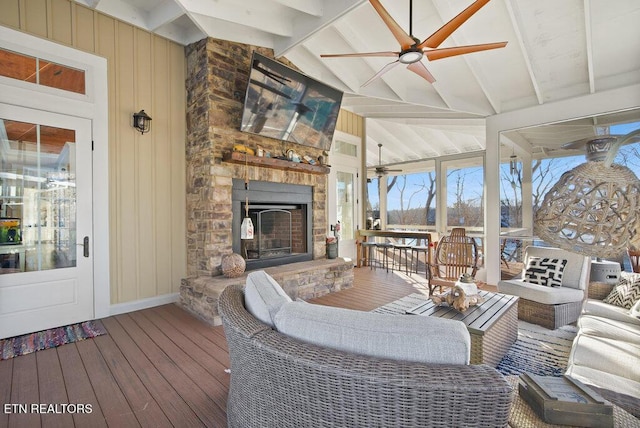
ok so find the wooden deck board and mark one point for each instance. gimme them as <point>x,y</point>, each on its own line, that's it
<point>52,389</point>
<point>144,406</point>
<point>159,367</point>
<point>6,369</point>
<point>24,390</point>
<point>79,388</point>
<point>112,402</point>
<point>170,401</point>
<point>174,372</point>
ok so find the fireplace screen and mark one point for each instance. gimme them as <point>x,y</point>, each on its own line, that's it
<point>278,231</point>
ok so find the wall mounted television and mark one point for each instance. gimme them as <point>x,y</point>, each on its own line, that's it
<point>285,104</point>
<point>10,231</point>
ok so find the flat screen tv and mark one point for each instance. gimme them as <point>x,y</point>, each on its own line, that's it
<point>285,104</point>
<point>10,231</point>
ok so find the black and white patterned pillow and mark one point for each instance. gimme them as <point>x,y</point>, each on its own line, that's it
<point>626,292</point>
<point>545,271</point>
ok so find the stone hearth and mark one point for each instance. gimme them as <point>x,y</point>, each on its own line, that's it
<point>304,280</point>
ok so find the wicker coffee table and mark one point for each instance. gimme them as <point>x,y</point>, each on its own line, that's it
<point>493,325</point>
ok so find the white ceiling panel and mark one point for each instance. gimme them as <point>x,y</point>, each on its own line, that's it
<point>556,49</point>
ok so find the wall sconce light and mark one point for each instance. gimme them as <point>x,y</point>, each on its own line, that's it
<point>142,121</point>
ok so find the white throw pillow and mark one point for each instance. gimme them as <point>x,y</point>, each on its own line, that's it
<point>263,296</point>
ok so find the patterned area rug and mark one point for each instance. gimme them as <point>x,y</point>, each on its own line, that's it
<point>537,350</point>
<point>28,343</point>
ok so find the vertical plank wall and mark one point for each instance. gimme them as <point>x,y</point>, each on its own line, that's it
<point>350,123</point>
<point>146,172</point>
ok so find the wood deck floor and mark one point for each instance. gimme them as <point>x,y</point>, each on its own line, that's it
<point>158,367</point>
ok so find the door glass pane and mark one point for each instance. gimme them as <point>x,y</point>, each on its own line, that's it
<point>373,204</point>
<point>345,184</point>
<point>38,201</point>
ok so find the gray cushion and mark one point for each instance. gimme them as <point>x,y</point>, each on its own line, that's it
<point>605,362</point>
<point>609,328</point>
<point>540,293</point>
<point>600,309</point>
<point>263,296</point>
<point>397,337</point>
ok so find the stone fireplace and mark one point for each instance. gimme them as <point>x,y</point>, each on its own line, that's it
<point>217,75</point>
<point>282,217</point>
<point>286,201</point>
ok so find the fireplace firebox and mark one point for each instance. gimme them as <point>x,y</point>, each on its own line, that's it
<point>282,217</point>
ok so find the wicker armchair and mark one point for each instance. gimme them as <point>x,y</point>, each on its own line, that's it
<point>455,255</point>
<point>277,381</point>
<point>551,307</point>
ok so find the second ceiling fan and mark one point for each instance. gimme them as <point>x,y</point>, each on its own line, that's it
<point>412,49</point>
<point>380,169</point>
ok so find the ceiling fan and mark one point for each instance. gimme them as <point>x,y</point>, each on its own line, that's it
<point>382,170</point>
<point>412,49</point>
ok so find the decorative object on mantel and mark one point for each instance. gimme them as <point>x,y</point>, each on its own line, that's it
<point>275,163</point>
<point>233,265</point>
<point>593,209</point>
<point>246,228</point>
<point>463,294</point>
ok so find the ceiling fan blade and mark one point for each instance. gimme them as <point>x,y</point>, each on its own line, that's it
<point>405,40</point>
<point>366,54</point>
<point>461,50</point>
<point>381,72</point>
<point>434,40</point>
<point>421,70</point>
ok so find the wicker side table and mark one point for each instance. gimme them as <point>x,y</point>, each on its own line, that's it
<point>523,416</point>
<point>599,290</point>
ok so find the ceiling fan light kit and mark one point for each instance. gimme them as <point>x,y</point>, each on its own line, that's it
<point>412,50</point>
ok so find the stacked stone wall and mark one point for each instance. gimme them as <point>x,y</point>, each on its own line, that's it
<point>217,77</point>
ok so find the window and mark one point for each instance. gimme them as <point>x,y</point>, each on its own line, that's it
<point>41,72</point>
<point>465,193</point>
<point>411,200</point>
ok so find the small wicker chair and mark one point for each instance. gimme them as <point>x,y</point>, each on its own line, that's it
<point>277,381</point>
<point>551,307</point>
<point>455,254</point>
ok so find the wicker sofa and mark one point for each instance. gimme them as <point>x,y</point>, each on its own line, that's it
<point>277,381</point>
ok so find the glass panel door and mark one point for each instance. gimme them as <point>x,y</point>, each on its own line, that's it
<point>38,212</point>
<point>345,182</point>
<point>46,224</point>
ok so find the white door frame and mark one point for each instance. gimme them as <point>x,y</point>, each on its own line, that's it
<point>350,164</point>
<point>93,106</point>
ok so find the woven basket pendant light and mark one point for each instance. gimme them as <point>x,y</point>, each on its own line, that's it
<point>593,209</point>
<point>246,228</point>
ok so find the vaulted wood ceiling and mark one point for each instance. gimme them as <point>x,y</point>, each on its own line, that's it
<point>556,50</point>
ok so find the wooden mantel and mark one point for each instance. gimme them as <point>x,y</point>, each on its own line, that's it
<point>238,157</point>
